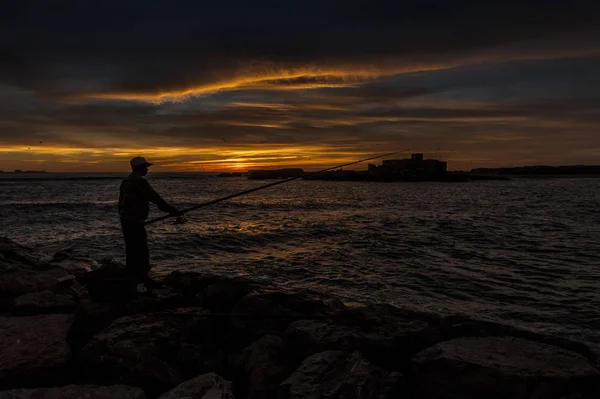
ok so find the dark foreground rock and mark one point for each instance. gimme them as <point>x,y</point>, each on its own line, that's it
<point>206,386</point>
<point>92,317</point>
<point>44,302</point>
<point>34,351</point>
<point>155,351</point>
<point>458,326</point>
<point>16,282</point>
<point>503,367</point>
<point>384,334</point>
<point>337,374</point>
<point>264,365</point>
<point>131,351</point>
<point>256,335</point>
<point>76,392</point>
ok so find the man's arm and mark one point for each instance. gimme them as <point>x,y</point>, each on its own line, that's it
<point>155,198</point>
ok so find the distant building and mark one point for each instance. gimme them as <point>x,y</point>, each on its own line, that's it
<point>415,167</point>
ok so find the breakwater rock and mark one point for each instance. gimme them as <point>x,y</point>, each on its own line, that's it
<point>207,336</point>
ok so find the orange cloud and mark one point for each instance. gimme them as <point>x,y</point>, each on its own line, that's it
<point>277,77</point>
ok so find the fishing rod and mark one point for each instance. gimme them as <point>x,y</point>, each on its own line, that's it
<point>215,201</point>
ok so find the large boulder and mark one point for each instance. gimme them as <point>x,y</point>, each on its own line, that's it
<point>264,364</point>
<point>44,302</point>
<point>503,367</point>
<point>92,317</point>
<point>459,326</point>
<point>147,350</point>
<point>206,386</point>
<point>384,334</point>
<point>76,392</point>
<point>131,351</point>
<point>337,375</point>
<point>34,350</point>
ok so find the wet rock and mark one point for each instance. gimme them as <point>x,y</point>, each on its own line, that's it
<point>134,350</point>
<point>44,302</point>
<point>270,312</point>
<point>33,350</point>
<point>206,386</point>
<point>503,367</point>
<point>17,282</point>
<point>216,293</point>
<point>383,333</point>
<point>76,392</point>
<point>264,365</point>
<point>337,374</point>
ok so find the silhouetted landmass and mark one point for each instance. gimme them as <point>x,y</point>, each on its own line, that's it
<point>230,174</point>
<point>542,170</point>
<point>275,173</point>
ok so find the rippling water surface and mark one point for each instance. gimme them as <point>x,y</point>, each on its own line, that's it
<point>525,251</point>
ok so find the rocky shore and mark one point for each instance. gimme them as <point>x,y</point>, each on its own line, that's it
<point>206,336</point>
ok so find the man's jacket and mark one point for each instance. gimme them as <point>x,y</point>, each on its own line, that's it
<point>134,199</point>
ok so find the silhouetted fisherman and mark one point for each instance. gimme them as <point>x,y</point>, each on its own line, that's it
<point>134,204</point>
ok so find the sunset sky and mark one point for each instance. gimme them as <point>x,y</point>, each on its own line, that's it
<point>235,85</point>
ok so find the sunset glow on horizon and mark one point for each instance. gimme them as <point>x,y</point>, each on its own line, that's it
<point>455,82</point>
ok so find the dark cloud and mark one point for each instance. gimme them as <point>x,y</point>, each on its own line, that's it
<point>151,46</point>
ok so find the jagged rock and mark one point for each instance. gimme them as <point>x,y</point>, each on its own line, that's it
<point>92,317</point>
<point>264,365</point>
<point>33,350</point>
<point>134,350</point>
<point>383,333</point>
<point>206,386</point>
<point>152,351</point>
<point>16,282</point>
<point>17,255</point>
<point>216,293</point>
<point>44,302</point>
<point>76,392</point>
<point>271,312</point>
<point>503,367</point>
<point>337,374</point>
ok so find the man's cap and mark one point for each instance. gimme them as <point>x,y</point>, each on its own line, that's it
<point>137,161</point>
